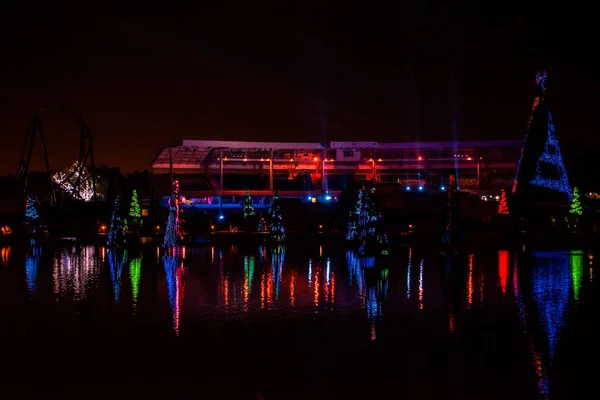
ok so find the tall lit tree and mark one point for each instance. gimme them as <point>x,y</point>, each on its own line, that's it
<point>503,206</point>
<point>248,207</point>
<point>575,203</point>
<point>173,232</point>
<point>364,224</point>
<point>134,209</point>
<point>540,171</point>
<point>116,231</point>
<point>277,230</point>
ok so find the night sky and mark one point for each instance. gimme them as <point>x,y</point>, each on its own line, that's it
<point>145,76</point>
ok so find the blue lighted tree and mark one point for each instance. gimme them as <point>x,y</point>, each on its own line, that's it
<point>116,231</point>
<point>541,165</point>
<point>31,212</point>
<point>31,215</point>
<point>173,232</point>
<point>364,224</point>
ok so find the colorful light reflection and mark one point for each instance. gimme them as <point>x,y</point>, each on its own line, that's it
<point>503,269</point>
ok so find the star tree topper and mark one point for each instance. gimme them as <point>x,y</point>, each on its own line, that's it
<point>540,80</point>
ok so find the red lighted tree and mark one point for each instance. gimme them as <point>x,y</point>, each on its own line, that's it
<point>503,207</point>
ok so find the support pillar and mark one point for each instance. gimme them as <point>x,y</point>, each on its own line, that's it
<point>221,171</point>
<point>374,171</point>
<point>478,174</point>
<point>323,173</point>
<point>271,187</point>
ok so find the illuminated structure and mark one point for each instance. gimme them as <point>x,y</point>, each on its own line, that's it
<point>210,170</point>
<point>541,171</point>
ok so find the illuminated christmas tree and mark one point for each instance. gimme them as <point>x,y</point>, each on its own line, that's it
<point>503,206</point>
<point>276,230</point>
<point>248,207</point>
<point>116,231</point>
<point>134,209</point>
<point>541,171</point>
<point>173,231</point>
<point>364,222</point>
<point>31,213</point>
<point>575,203</point>
<point>263,226</point>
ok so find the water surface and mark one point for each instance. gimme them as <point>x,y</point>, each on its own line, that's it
<point>298,321</point>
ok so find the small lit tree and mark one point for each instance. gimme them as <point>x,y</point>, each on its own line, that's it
<point>116,232</point>
<point>575,203</point>
<point>134,209</point>
<point>262,224</point>
<point>31,213</point>
<point>248,207</point>
<point>503,206</point>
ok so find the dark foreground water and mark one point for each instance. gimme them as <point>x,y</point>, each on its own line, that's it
<point>301,321</point>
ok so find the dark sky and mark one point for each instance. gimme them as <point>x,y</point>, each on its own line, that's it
<point>143,77</point>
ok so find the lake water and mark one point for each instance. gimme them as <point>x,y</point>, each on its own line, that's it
<point>301,321</point>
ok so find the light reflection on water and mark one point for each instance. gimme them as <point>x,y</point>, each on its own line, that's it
<point>234,283</point>
<point>556,282</point>
<point>76,271</point>
<point>32,262</point>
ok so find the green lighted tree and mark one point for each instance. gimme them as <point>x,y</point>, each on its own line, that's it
<point>575,203</point>
<point>134,209</point>
<point>248,207</point>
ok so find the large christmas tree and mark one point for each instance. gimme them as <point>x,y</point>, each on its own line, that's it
<point>541,173</point>
<point>134,209</point>
<point>248,207</point>
<point>116,231</point>
<point>276,230</point>
<point>174,233</point>
<point>575,203</point>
